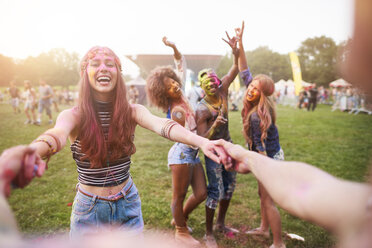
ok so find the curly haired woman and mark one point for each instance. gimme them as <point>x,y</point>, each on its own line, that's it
<point>164,91</point>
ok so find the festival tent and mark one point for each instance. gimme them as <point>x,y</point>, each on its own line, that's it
<point>140,84</point>
<point>306,84</point>
<point>339,83</point>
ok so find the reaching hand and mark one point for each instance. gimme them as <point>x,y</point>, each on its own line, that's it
<point>210,149</point>
<point>19,165</point>
<point>232,42</point>
<point>238,155</point>
<point>239,32</point>
<point>168,43</point>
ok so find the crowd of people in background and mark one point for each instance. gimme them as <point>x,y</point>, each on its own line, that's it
<point>36,100</point>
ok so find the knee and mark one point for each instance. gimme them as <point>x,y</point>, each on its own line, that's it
<point>178,197</point>
<point>201,195</point>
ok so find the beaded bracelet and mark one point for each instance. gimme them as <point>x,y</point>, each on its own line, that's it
<point>51,150</point>
<point>56,139</point>
<point>165,130</point>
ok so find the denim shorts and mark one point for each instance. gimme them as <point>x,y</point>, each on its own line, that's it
<point>90,213</point>
<point>279,155</point>
<point>183,154</point>
<point>221,183</point>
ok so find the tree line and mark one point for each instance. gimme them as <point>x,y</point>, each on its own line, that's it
<point>56,67</point>
<point>318,57</point>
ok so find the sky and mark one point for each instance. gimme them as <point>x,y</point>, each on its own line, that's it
<point>129,27</point>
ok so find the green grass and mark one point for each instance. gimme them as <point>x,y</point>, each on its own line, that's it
<point>336,142</point>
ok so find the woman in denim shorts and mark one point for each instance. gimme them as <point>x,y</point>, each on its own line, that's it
<point>101,131</point>
<point>164,91</point>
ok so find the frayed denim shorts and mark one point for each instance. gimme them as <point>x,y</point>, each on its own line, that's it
<point>91,212</point>
<point>183,154</point>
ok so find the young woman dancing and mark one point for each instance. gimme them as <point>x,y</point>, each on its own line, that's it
<point>164,91</point>
<point>101,131</point>
<point>262,136</point>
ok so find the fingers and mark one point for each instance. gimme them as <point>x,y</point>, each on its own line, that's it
<point>226,41</point>
<point>227,34</point>
<point>221,154</point>
<point>242,27</point>
<point>213,156</point>
<point>28,165</point>
<point>41,167</point>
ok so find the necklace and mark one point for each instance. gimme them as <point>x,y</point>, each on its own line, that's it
<point>217,106</point>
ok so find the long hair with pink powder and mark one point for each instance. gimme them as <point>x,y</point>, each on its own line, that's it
<point>122,124</point>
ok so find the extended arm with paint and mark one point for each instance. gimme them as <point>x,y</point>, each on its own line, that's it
<point>304,190</point>
<point>177,133</point>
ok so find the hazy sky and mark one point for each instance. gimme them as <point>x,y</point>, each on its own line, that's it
<point>29,27</point>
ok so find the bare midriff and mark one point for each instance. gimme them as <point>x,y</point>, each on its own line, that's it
<point>104,191</point>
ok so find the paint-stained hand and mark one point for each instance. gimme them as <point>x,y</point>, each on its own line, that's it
<point>18,166</point>
<point>220,120</point>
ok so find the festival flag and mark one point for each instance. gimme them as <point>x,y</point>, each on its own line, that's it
<point>296,70</point>
<point>235,85</point>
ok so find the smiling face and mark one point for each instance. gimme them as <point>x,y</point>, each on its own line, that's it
<point>209,82</point>
<point>253,92</point>
<point>172,87</point>
<point>102,73</point>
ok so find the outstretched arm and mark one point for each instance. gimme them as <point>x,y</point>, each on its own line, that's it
<point>304,190</point>
<point>176,133</point>
<point>242,61</point>
<point>54,139</point>
<point>230,76</point>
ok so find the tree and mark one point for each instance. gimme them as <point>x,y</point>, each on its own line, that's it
<point>57,67</point>
<point>7,70</point>
<point>318,59</point>
<point>261,61</point>
<point>264,61</point>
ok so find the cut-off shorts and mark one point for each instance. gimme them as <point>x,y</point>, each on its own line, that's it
<point>183,154</point>
<point>90,212</point>
<point>279,155</point>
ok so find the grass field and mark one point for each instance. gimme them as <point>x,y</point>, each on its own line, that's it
<point>336,142</point>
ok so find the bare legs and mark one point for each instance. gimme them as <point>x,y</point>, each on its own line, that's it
<point>32,116</point>
<point>269,216</point>
<point>180,182</point>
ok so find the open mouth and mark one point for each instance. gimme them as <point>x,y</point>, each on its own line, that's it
<point>103,80</point>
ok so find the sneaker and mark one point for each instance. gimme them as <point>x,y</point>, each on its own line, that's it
<point>209,241</point>
<point>27,122</point>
